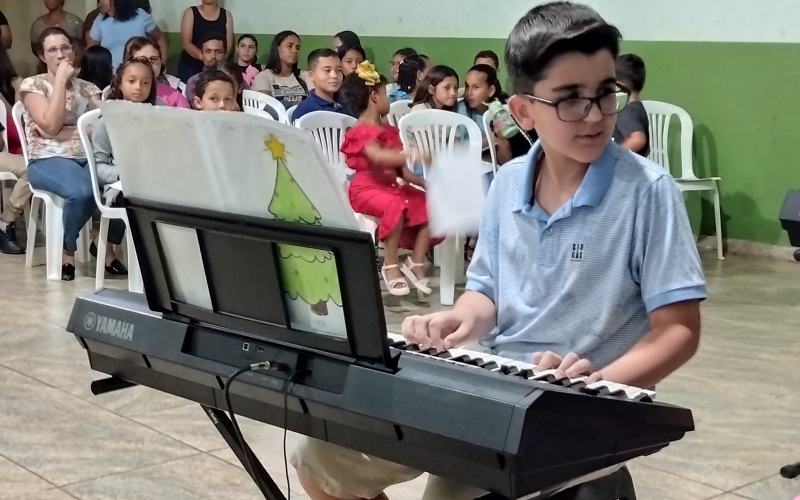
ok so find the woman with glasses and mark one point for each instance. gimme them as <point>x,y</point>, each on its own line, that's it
<point>119,21</point>
<point>53,103</point>
<point>145,47</point>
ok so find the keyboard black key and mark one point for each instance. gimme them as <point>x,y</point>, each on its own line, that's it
<point>509,370</point>
<point>490,365</point>
<point>444,355</point>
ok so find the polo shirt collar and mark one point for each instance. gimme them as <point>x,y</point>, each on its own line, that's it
<point>324,103</point>
<point>593,187</point>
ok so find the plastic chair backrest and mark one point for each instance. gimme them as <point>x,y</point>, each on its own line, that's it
<point>328,130</point>
<point>86,122</point>
<point>435,132</point>
<point>660,115</point>
<point>490,139</point>
<point>182,87</point>
<point>17,113</point>
<point>290,114</point>
<point>174,81</point>
<point>397,110</point>
<point>252,100</point>
<point>261,113</point>
<point>4,123</point>
<point>106,91</point>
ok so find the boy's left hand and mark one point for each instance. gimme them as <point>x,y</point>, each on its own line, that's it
<point>570,366</point>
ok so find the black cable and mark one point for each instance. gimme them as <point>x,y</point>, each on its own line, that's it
<point>226,394</point>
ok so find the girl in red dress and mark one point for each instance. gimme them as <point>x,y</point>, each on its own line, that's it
<point>382,185</point>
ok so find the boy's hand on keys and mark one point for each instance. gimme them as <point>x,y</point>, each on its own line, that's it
<point>442,331</point>
<point>570,366</point>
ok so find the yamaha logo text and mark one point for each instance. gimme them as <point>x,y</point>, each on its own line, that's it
<point>109,326</point>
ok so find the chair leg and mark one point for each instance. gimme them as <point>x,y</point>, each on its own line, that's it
<point>84,240</point>
<point>460,264</point>
<point>718,222</point>
<point>447,273</point>
<point>31,229</point>
<point>135,283</point>
<point>54,240</point>
<point>102,242</point>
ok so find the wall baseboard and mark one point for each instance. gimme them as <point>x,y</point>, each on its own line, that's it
<point>749,248</point>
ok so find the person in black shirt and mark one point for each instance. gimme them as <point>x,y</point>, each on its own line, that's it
<point>5,31</point>
<point>633,127</point>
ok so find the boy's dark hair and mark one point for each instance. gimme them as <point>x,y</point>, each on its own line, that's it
<point>344,49</point>
<point>549,31</point>
<point>434,77</point>
<point>318,54</point>
<point>232,70</point>
<point>631,71</point>
<point>125,10</point>
<point>355,92</point>
<point>408,51</point>
<point>208,37</point>
<point>348,38</point>
<point>97,66</point>
<point>488,54</point>
<point>407,73</point>
<point>209,76</point>
<point>116,92</point>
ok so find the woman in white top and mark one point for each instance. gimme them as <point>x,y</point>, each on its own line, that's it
<point>282,79</point>
<point>53,103</point>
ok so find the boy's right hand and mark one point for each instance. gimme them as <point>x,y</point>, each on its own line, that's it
<point>442,330</point>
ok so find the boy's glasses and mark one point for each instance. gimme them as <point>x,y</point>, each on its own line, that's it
<point>576,109</point>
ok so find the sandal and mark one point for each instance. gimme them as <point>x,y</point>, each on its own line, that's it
<point>398,286</point>
<point>421,284</point>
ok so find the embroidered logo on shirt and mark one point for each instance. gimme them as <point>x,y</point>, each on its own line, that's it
<point>577,251</point>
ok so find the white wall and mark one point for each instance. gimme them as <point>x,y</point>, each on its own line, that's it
<point>657,20</point>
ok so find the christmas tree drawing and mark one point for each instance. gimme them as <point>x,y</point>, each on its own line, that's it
<point>307,273</point>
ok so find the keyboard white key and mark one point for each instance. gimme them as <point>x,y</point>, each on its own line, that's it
<point>630,391</point>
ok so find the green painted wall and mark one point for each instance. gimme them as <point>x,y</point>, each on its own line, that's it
<point>744,99</point>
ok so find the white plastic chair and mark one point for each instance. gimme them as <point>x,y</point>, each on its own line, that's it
<point>290,115</point>
<point>85,124</point>
<point>261,113</point>
<point>490,138</point>
<point>256,101</point>
<point>435,132</point>
<point>174,81</point>
<point>53,216</point>
<point>106,91</point>
<point>328,130</point>
<point>660,115</point>
<point>182,87</point>
<point>7,179</point>
<point>397,110</point>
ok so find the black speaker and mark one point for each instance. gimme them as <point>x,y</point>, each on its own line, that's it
<point>790,217</point>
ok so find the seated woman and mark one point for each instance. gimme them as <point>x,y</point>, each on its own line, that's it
<point>53,102</point>
<point>375,152</point>
<point>282,79</point>
<point>247,58</point>
<point>142,46</point>
<point>135,82</point>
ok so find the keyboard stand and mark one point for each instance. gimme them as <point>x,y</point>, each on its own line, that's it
<point>259,475</point>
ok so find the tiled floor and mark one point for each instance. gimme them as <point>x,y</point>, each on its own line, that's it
<point>58,442</point>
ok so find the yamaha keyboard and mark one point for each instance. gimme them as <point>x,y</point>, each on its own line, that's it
<point>483,420</point>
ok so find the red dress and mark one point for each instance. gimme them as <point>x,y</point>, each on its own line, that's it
<point>374,190</point>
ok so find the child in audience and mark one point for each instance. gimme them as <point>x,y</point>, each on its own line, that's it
<point>325,72</point>
<point>135,81</point>
<point>438,90</point>
<point>413,71</point>
<point>487,57</point>
<point>632,130</point>
<point>215,91</point>
<point>232,70</point>
<point>96,66</point>
<point>482,87</point>
<point>214,47</point>
<point>246,57</point>
<point>397,60</point>
<point>346,38</point>
<point>375,152</point>
<point>282,78</point>
<point>146,47</point>
<point>351,56</point>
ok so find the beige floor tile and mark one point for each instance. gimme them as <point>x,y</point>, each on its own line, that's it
<point>656,484</point>
<point>774,488</point>
<point>47,495</point>
<point>731,496</point>
<point>720,459</point>
<point>64,439</point>
<point>16,481</point>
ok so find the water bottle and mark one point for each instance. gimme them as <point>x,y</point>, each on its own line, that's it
<point>500,113</point>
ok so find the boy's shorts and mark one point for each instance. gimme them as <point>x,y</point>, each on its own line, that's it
<point>347,474</point>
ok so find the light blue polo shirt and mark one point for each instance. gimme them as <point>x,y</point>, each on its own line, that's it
<point>584,279</point>
<point>113,34</point>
